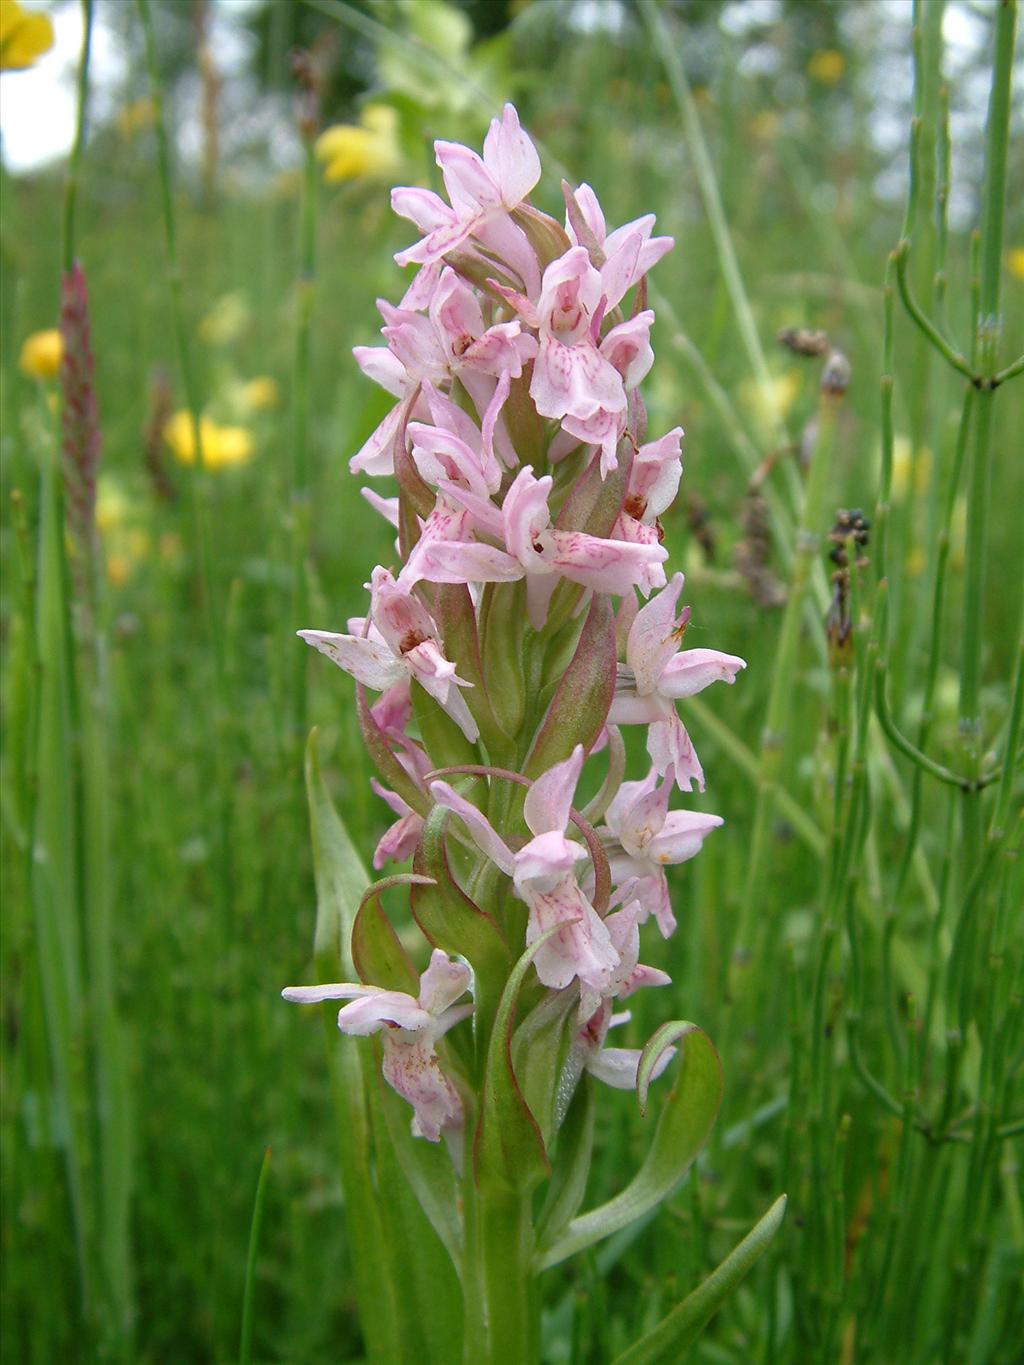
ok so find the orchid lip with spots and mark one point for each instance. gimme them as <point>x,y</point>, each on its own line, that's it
<point>525,492</point>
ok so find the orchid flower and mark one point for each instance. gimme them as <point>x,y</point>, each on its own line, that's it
<point>621,244</point>
<point>656,673</point>
<point>643,836</point>
<point>483,192</point>
<point>543,873</point>
<point>536,550</point>
<point>411,1028</point>
<point>402,640</point>
<point>518,444</point>
<point>451,341</point>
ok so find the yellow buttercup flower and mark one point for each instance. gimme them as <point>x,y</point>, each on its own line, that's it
<point>222,445</point>
<point>41,354</point>
<point>367,151</point>
<point>1015,262</point>
<point>24,36</point>
<point>260,394</point>
<point>826,66</point>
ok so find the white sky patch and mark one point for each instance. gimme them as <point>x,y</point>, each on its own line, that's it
<point>37,107</point>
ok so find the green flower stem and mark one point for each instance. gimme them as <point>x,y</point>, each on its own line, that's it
<point>988,337</point>
<point>74,171</point>
<point>188,375</point>
<point>746,760</point>
<point>506,1253</point>
<point>301,500</point>
<point>780,699</point>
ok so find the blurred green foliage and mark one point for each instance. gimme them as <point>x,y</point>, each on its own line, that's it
<point>207,929</point>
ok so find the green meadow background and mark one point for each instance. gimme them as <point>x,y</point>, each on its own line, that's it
<point>146,1073</point>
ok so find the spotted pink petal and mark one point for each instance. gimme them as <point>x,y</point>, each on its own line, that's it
<point>376,1009</point>
<point>651,642</point>
<point>480,828</point>
<point>368,662</point>
<point>549,800</point>
<point>511,158</point>
<point>609,566</point>
<point>692,670</point>
<point>443,982</point>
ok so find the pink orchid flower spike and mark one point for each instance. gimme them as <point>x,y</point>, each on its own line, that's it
<point>411,1028</point>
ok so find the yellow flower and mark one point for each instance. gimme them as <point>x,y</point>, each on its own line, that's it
<point>41,354</point>
<point>135,118</point>
<point>774,400</point>
<point>112,506</point>
<point>222,446</point>
<point>368,151</point>
<point>260,394</point>
<point>764,126</point>
<point>119,570</point>
<point>226,320</point>
<point>1015,262</point>
<point>24,37</point>
<point>826,66</point>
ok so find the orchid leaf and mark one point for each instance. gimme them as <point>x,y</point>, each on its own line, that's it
<point>456,616</point>
<point>377,951</point>
<point>569,1179</point>
<point>579,708</point>
<point>509,1150</point>
<point>678,1331</point>
<point>446,916</point>
<point>385,762</point>
<point>538,1053</point>
<point>502,627</point>
<point>688,1115</point>
<point>442,738</point>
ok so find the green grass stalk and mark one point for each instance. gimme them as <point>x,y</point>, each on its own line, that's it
<point>301,499</point>
<point>780,697</point>
<point>248,1298</point>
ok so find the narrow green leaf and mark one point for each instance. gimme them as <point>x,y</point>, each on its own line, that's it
<point>448,918</point>
<point>580,705</point>
<point>245,1348</point>
<point>569,1178</point>
<point>509,1150</point>
<point>339,873</point>
<point>377,951</point>
<point>687,1117</point>
<point>678,1331</point>
<point>503,620</point>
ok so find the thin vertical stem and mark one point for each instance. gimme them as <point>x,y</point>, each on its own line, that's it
<point>301,496</point>
<point>245,1345</point>
<point>75,163</point>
